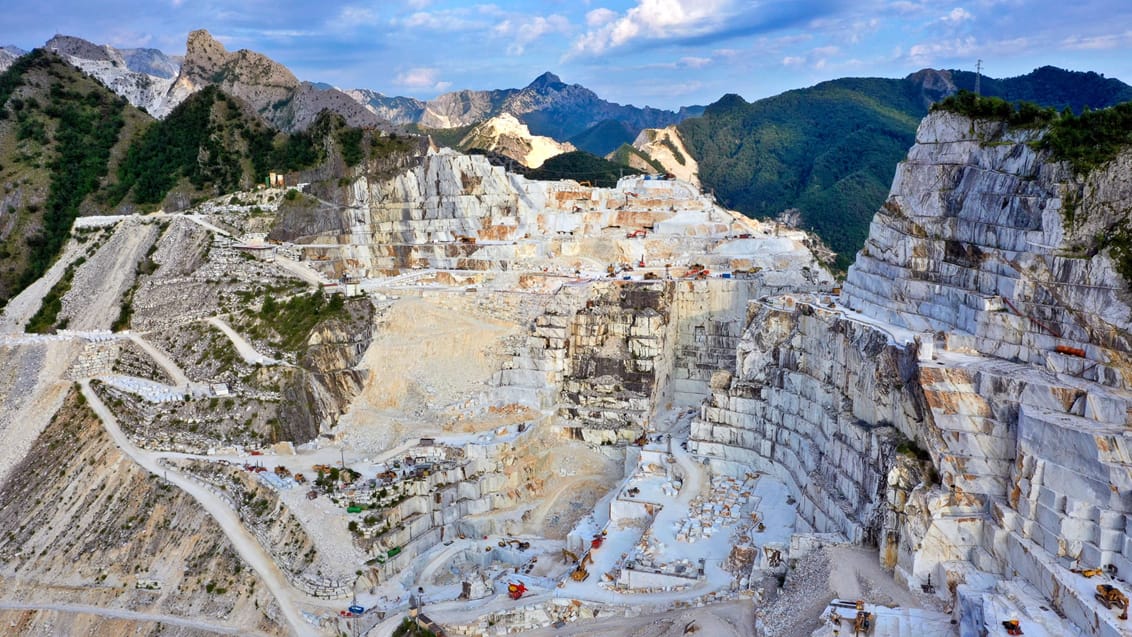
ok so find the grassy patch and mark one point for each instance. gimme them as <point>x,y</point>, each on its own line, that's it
<point>44,320</point>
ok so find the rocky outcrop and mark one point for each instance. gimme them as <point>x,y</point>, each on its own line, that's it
<point>269,87</point>
<point>327,378</point>
<point>142,76</point>
<point>964,406</point>
<point>8,55</point>
<point>393,109</point>
<point>666,147</point>
<point>507,136</point>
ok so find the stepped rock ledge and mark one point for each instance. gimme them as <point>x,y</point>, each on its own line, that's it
<point>965,404</point>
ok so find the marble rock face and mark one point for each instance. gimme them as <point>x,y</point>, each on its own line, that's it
<point>965,406</point>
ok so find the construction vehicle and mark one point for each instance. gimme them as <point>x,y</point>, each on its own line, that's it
<point>580,574</point>
<point>637,234</point>
<point>519,544</point>
<point>1012,626</point>
<point>300,478</point>
<point>569,556</point>
<point>1110,596</point>
<point>773,557</point>
<point>863,622</point>
<point>466,239</point>
<point>1087,572</point>
<point>515,590</point>
<point>641,263</point>
<point>597,541</point>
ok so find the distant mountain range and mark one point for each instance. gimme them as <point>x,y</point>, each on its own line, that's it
<point>827,152</point>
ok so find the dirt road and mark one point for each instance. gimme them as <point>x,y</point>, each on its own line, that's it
<point>246,545</point>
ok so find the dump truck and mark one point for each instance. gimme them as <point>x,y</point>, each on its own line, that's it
<point>515,590</point>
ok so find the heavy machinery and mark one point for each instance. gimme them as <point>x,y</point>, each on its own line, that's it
<point>773,557</point>
<point>580,574</point>
<point>637,234</point>
<point>568,556</point>
<point>1110,596</point>
<point>1012,626</point>
<point>515,590</point>
<point>1087,572</point>
<point>863,622</point>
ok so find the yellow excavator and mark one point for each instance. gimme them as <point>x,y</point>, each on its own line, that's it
<point>863,622</point>
<point>580,574</point>
<point>1111,596</point>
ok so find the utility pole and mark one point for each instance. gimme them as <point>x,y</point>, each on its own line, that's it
<point>978,76</point>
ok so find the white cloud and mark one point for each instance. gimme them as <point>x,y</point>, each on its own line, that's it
<point>420,78</point>
<point>523,30</point>
<point>957,16</point>
<point>928,54</point>
<point>1098,42</point>
<point>600,16</point>
<point>691,62</point>
<point>793,60</point>
<point>353,15</point>
<point>448,20</point>
<point>656,19</point>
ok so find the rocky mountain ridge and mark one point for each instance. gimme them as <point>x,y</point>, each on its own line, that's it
<point>549,106</point>
<point>507,136</point>
<point>142,76</point>
<point>269,87</point>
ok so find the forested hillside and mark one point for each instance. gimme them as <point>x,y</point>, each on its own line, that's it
<point>61,133</point>
<point>830,150</point>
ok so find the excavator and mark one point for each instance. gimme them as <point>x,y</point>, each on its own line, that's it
<point>519,544</point>
<point>863,622</point>
<point>516,589</point>
<point>580,574</point>
<point>1110,596</point>
<point>1012,626</point>
<point>637,234</point>
<point>569,556</point>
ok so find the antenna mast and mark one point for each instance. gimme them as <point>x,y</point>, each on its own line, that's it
<point>978,76</point>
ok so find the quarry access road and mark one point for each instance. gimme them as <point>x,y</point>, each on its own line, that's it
<point>24,305</point>
<point>162,359</point>
<point>117,613</point>
<point>246,350</point>
<point>298,269</point>
<point>246,545</point>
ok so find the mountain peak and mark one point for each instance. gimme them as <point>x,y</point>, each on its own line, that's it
<point>78,47</point>
<point>546,80</point>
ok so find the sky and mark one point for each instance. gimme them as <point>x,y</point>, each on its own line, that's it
<point>661,53</point>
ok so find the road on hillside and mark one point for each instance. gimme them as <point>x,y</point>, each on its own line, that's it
<point>246,350</point>
<point>117,613</point>
<point>246,545</point>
